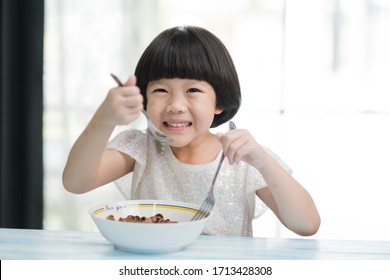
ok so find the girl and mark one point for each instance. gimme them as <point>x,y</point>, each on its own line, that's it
<point>187,82</point>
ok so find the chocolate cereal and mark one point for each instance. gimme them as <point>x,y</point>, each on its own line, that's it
<point>156,219</point>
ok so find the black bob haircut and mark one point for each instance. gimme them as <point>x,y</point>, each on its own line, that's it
<point>190,52</point>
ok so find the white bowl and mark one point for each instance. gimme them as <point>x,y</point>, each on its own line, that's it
<point>144,237</point>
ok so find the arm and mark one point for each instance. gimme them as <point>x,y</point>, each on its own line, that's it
<point>290,202</point>
<point>89,164</point>
<point>285,196</point>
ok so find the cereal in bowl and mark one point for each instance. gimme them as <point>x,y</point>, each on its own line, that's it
<point>156,219</point>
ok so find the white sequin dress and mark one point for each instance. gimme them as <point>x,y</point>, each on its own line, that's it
<point>159,175</point>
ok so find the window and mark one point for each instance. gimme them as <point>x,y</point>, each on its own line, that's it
<point>314,84</point>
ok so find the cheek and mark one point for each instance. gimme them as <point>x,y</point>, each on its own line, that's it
<point>152,101</point>
<point>206,114</point>
<point>154,109</point>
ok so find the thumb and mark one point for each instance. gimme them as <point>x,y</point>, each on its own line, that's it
<point>219,136</point>
<point>131,81</point>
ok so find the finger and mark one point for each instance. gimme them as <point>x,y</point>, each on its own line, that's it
<point>134,102</point>
<point>126,116</point>
<point>226,141</point>
<point>240,152</point>
<point>129,91</point>
<point>233,152</point>
<point>219,136</point>
<point>131,81</point>
<point>237,148</point>
<point>229,147</point>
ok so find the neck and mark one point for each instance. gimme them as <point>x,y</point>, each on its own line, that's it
<point>204,152</point>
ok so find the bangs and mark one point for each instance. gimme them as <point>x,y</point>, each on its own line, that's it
<point>176,54</point>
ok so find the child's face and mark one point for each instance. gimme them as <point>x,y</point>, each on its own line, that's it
<point>183,109</point>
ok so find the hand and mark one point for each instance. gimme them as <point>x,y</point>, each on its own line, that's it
<point>122,104</point>
<point>239,145</point>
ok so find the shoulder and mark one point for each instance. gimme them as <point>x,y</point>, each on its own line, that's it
<point>127,137</point>
<point>132,142</point>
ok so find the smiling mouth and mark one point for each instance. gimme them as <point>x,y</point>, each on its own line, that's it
<point>177,125</point>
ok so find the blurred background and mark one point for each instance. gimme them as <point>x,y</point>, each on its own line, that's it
<point>315,88</point>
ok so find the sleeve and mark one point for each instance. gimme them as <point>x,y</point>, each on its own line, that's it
<point>133,143</point>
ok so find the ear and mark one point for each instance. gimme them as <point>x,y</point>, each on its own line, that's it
<point>218,111</point>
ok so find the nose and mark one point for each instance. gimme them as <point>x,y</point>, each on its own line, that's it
<point>176,104</point>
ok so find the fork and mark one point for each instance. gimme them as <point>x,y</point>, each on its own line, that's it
<point>208,203</point>
<point>151,130</point>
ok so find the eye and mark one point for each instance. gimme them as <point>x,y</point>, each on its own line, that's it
<point>193,90</point>
<point>159,90</point>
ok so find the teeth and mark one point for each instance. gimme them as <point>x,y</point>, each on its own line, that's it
<point>178,124</point>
